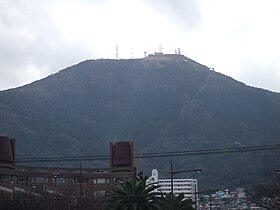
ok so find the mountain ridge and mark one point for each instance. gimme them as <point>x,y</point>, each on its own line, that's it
<point>162,103</point>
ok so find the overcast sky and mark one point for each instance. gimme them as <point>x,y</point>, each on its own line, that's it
<point>239,38</point>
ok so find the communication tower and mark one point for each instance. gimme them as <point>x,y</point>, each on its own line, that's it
<point>117,52</point>
<point>179,51</point>
<point>160,48</point>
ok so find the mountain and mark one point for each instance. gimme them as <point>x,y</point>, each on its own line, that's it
<point>162,103</point>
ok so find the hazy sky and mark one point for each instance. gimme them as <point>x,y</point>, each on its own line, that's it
<point>239,38</point>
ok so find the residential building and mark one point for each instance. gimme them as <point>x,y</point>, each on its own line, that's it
<point>189,187</point>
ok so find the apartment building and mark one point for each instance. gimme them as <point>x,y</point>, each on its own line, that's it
<point>189,187</point>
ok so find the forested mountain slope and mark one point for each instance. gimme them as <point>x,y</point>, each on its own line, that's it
<point>162,103</point>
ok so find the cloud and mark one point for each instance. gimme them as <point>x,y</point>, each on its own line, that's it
<point>31,45</point>
<point>261,74</point>
<point>38,38</point>
<point>186,14</point>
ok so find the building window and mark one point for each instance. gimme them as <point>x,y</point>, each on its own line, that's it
<point>101,181</point>
<point>21,179</point>
<point>80,180</point>
<point>97,193</point>
<point>40,180</point>
<point>5,178</point>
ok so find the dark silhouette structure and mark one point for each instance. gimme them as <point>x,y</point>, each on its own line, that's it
<point>78,183</point>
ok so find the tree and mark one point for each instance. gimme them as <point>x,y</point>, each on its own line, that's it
<point>179,202</point>
<point>267,195</point>
<point>132,194</point>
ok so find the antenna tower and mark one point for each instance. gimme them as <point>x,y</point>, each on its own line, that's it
<point>160,48</point>
<point>179,51</point>
<point>117,52</point>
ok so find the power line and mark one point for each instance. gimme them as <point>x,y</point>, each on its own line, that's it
<point>155,155</point>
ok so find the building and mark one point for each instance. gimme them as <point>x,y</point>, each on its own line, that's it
<point>226,199</point>
<point>17,181</point>
<point>189,187</point>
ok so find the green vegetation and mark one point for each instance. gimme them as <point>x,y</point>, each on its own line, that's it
<point>175,202</point>
<point>133,194</point>
<point>160,104</point>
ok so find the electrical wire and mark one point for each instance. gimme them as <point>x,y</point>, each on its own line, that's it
<point>154,155</point>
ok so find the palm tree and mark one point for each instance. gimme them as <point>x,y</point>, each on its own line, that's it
<point>179,202</point>
<point>132,194</point>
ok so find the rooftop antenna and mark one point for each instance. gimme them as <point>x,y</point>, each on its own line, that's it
<point>117,52</point>
<point>179,51</point>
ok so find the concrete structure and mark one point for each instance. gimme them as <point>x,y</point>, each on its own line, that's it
<point>18,181</point>
<point>188,187</point>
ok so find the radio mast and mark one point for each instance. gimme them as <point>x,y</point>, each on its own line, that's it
<point>117,51</point>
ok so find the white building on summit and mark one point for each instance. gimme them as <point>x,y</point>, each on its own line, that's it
<point>188,187</point>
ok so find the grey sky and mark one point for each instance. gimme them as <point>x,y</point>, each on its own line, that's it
<point>238,38</point>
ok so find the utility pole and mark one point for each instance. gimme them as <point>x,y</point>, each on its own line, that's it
<point>171,173</point>
<point>210,198</point>
<point>81,186</point>
<point>195,198</point>
<point>178,172</point>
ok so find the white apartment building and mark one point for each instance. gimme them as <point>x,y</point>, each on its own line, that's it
<point>188,187</point>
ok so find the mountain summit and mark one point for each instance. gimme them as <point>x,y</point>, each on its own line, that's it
<point>162,103</point>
